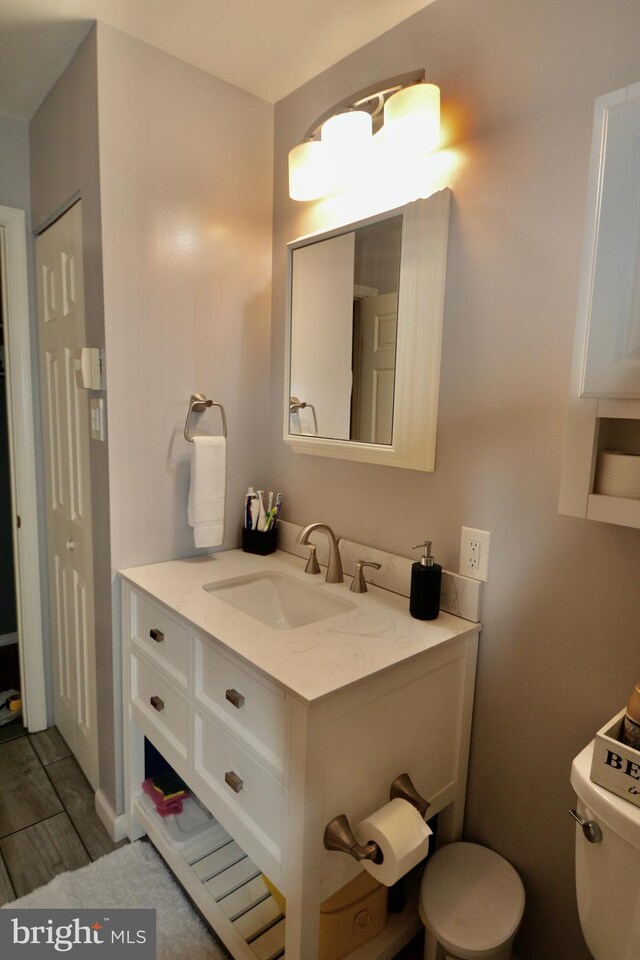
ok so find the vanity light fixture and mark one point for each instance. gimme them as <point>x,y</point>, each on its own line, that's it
<point>377,129</point>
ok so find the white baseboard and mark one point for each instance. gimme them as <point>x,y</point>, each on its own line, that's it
<point>114,824</point>
<point>8,638</point>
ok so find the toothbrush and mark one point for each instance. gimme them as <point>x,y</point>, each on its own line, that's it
<point>262,516</point>
<point>273,514</point>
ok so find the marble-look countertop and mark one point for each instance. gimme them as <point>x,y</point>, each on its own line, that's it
<point>312,661</point>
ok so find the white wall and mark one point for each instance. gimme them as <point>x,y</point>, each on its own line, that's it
<point>186,176</point>
<point>559,649</point>
<point>186,181</point>
<point>15,192</point>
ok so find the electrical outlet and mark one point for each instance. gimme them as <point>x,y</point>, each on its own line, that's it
<point>474,553</point>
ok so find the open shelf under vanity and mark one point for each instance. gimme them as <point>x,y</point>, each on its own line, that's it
<point>229,890</point>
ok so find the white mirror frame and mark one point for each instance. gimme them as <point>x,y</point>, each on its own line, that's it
<point>423,267</point>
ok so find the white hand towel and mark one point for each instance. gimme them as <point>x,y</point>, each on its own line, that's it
<point>205,511</point>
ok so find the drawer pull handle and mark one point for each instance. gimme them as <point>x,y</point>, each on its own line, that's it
<point>235,698</point>
<point>156,635</point>
<point>233,780</point>
<point>156,703</point>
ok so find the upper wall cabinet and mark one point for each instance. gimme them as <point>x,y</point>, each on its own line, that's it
<point>611,277</point>
<point>364,333</point>
<point>602,447</point>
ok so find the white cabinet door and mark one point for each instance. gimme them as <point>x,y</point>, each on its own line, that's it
<point>65,420</point>
<point>610,290</point>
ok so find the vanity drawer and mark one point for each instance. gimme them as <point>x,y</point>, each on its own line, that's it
<point>159,708</point>
<point>161,636</point>
<point>251,794</point>
<point>254,710</point>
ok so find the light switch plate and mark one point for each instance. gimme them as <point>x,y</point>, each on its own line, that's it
<point>96,409</point>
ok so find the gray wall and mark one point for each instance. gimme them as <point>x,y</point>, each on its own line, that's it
<point>14,164</point>
<point>559,649</point>
<point>64,166</point>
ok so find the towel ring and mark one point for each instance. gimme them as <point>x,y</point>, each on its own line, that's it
<point>199,403</point>
<point>296,405</point>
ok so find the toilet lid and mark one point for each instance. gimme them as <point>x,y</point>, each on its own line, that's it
<point>471,899</point>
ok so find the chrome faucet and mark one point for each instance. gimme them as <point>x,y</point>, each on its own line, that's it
<point>334,570</point>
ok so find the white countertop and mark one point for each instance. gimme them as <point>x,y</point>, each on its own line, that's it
<point>310,661</point>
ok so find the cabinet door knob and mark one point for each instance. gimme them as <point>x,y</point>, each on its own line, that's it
<point>156,635</point>
<point>235,698</point>
<point>233,780</point>
<point>156,703</point>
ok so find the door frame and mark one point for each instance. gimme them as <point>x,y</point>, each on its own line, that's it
<point>22,458</point>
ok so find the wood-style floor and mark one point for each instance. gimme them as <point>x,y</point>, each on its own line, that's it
<point>48,823</point>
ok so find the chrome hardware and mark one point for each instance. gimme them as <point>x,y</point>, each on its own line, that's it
<point>312,563</point>
<point>156,635</point>
<point>235,698</point>
<point>403,789</point>
<point>199,403</point>
<point>338,835</point>
<point>156,703</point>
<point>233,780</point>
<point>334,570</point>
<point>295,405</point>
<point>359,584</point>
<point>590,828</point>
<point>70,544</point>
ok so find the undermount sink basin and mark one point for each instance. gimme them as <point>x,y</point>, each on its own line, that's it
<point>278,600</point>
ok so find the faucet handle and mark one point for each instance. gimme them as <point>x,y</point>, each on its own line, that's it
<point>359,584</point>
<point>312,563</point>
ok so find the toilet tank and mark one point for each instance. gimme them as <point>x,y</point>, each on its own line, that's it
<point>608,872</point>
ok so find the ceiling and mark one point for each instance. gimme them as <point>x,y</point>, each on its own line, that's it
<point>268,47</point>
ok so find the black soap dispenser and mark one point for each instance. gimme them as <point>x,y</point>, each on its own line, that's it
<point>426,577</point>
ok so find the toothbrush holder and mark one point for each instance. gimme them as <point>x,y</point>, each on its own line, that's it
<point>261,542</point>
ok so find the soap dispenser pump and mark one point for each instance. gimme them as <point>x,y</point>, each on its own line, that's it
<point>426,577</point>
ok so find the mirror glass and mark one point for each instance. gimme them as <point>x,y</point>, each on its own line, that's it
<point>364,332</point>
<point>344,320</point>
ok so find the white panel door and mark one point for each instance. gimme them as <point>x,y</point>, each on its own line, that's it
<point>321,337</point>
<point>373,393</point>
<point>65,419</point>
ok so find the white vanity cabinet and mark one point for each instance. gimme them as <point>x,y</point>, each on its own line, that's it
<point>273,765</point>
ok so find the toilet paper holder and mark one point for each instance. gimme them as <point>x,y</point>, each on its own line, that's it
<point>338,834</point>
<point>403,788</point>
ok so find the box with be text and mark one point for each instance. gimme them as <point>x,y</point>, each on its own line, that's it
<point>616,766</point>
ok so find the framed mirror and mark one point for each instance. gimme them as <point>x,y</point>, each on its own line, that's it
<point>364,332</point>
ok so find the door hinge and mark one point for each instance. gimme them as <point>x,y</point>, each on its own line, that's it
<point>18,521</point>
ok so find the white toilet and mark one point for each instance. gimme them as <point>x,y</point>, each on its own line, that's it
<point>471,903</point>
<point>607,869</point>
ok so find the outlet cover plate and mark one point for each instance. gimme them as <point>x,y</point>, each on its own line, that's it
<point>474,553</point>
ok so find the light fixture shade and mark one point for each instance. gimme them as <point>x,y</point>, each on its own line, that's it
<point>347,131</point>
<point>412,120</point>
<point>346,138</point>
<point>309,174</point>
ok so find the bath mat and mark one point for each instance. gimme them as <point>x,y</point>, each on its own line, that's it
<point>133,876</point>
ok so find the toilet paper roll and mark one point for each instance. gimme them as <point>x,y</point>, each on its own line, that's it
<point>618,474</point>
<point>402,837</point>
